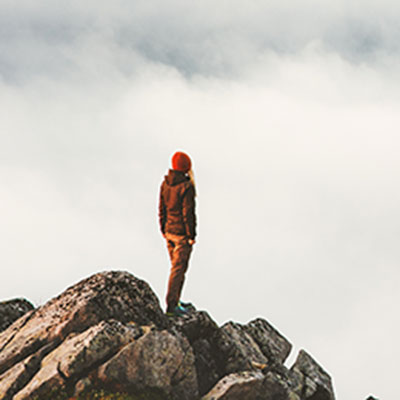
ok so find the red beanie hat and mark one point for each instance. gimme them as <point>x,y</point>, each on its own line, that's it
<point>181,162</point>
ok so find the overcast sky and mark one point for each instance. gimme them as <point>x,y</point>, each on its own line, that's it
<point>290,112</point>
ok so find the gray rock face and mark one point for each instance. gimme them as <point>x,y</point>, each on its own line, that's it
<point>18,376</point>
<point>76,354</point>
<point>11,310</point>
<point>158,361</point>
<point>196,325</point>
<point>103,296</point>
<point>208,371</point>
<point>108,331</point>
<point>236,349</point>
<point>272,344</point>
<point>276,387</point>
<point>252,385</point>
<point>317,384</point>
<point>200,329</point>
<point>110,295</point>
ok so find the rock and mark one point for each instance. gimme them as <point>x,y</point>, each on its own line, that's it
<point>11,310</point>
<point>199,328</point>
<point>316,383</point>
<point>7,335</point>
<point>117,295</point>
<point>18,376</point>
<point>277,387</point>
<point>237,386</point>
<point>253,385</point>
<point>95,345</point>
<point>236,350</point>
<point>207,369</point>
<point>158,361</point>
<point>109,332</point>
<point>196,325</point>
<point>273,345</point>
<point>79,352</point>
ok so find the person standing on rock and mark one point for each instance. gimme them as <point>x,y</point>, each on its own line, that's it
<point>177,219</point>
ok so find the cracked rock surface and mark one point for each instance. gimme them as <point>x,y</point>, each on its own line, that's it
<point>108,332</point>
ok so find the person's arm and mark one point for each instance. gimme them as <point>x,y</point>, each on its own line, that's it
<point>162,212</point>
<point>189,213</point>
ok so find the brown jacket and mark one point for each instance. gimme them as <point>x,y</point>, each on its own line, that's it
<point>177,205</point>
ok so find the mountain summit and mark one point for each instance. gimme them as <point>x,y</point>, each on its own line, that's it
<point>108,332</point>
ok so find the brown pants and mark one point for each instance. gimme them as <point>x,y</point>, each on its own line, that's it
<point>179,252</point>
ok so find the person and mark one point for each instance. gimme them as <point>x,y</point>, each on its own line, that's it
<point>177,218</point>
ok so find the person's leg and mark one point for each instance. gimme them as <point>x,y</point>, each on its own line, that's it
<point>171,247</point>
<point>179,260</point>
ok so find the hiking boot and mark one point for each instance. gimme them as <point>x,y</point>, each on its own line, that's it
<point>184,305</point>
<point>178,311</point>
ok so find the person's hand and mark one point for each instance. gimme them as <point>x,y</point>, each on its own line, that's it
<point>191,242</point>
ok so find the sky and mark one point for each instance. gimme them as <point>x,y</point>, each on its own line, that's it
<point>290,113</point>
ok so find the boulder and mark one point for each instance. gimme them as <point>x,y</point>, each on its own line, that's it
<point>257,385</point>
<point>277,387</point>
<point>316,382</point>
<point>110,295</point>
<point>199,328</point>
<point>18,376</point>
<point>208,371</point>
<point>272,344</point>
<point>236,350</point>
<point>196,325</point>
<point>11,310</point>
<point>77,354</point>
<point>237,386</point>
<point>158,362</point>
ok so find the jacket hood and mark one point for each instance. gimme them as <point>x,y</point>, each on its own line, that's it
<point>175,177</point>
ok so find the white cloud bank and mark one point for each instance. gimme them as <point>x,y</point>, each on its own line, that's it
<point>290,113</point>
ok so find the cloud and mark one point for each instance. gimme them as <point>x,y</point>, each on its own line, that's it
<point>198,38</point>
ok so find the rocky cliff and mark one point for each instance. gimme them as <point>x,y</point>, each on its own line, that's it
<point>108,332</point>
